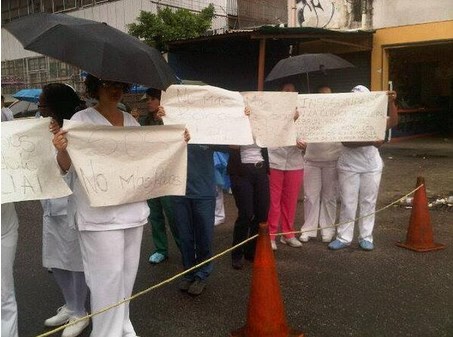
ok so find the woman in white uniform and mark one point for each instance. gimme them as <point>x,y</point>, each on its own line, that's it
<point>359,175</point>
<point>61,249</point>
<point>10,234</point>
<point>320,190</point>
<point>110,237</point>
<point>321,187</point>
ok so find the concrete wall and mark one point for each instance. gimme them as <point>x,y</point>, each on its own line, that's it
<point>252,13</point>
<point>393,13</point>
<point>338,14</point>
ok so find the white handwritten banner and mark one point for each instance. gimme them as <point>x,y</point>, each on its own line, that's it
<point>347,117</point>
<point>212,115</point>
<point>272,117</point>
<point>29,168</point>
<point>119,165</point>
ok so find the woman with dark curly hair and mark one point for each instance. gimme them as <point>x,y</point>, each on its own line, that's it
<point>61,249</point>
<point>59,101</point>
<point>110,237</point>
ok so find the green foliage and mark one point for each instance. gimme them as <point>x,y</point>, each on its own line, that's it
<point>167,25</point>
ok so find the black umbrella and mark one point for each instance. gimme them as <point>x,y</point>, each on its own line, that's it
<point>95,47</point>
<point>306,63</point>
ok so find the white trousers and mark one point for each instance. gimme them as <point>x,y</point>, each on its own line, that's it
<point>219,206</point>
<point>110,260</point>
<point>320,198</point>
<point>10,225</point>
<point>357,189</point>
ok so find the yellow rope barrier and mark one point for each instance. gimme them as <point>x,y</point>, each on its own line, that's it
<point>359,218</point>
<point>143,292</point>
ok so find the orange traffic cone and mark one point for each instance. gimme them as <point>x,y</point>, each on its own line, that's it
<point>420,234</point>
<point>265,314</point>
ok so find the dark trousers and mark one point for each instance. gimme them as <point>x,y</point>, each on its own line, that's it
<point>251,194</point>
<point>194,220</point>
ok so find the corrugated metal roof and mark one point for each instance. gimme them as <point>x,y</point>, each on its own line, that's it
<point>272,31</point>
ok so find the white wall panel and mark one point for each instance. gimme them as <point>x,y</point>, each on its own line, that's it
<point>391,13</point>
<point>12,49</point>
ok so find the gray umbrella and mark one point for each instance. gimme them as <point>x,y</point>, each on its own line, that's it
<point>93,46</point>
<point>306,63</point>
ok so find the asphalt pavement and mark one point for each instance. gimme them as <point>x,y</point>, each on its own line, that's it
<point>390,291</point>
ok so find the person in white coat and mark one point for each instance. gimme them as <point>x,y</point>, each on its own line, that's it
<point>10,225</point>
<point>7,114</point>
<point>61,249</point>
<point>10,233</point>
<point>359,174</point>
<point>110,237</point>
<point>320,187</point>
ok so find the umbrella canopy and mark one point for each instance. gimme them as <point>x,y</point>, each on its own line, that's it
<point>23,109</point>
<point>306,63</point>
<point>95,47</point>
<point>28,95</point>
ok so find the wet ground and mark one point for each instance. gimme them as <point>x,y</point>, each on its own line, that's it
<point>390,291</point>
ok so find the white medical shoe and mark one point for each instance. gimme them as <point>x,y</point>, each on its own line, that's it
<point>273,245</point>
<point>292,242</point>
<point>75,329</point>
<point>304,238</point>
<point>62,317</point>
<point>327,239</point>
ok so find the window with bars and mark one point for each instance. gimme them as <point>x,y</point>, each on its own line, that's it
<point>19,68</point>
<point>58,5</point>
<point>34,77</point>
<point>14,9</point>
<point>40,70</point>
<point>86,3</point>
<point>64,5</point>
<point>35,6</point>
<point>47,6</point>
<point>8,68</point>
<point>37,64</point>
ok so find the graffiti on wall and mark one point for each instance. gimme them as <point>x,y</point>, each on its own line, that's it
<point>315,13</point>
<point>335,14</point>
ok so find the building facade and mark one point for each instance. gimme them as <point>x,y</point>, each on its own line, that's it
<point>412,48</point>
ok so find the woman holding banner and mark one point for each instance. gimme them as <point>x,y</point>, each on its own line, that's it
<point>10,234</point>
<point>320,187</point>
<point>61,249</point>
<point>194,218</point>
<point>248,168</point>
<point>285,180</point>
<point>359,175</point>
<point>110,237</point>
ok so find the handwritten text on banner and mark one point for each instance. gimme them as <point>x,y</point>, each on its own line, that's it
<point>118,165</point>
<point>272,117</point>
<point>29,168</point>
<point>212,115</point>
<point>342,117</point>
